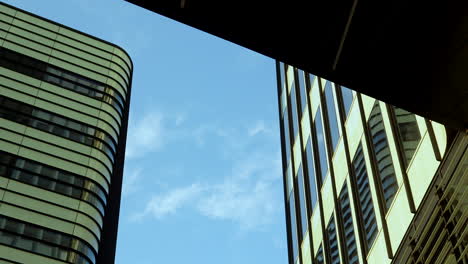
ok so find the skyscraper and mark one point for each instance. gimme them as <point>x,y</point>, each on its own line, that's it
<point>367,182</point>
<point>64,100</point>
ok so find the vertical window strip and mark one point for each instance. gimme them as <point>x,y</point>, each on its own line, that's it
<point>311,173</point>
<point>333,242</point>
<point>347,218</point>
<point>287,141</point>
<point>319,256</point>
<point>311,80</point>
<point>367,213</point>
<point>332,117</point>
<point>382,155</point>
<point>295,118</point>
<point>294,238</point>
<point>302,201</point>
<point>282,76</point>
<point>347,95</point>
<point>321,146</point>
<point>302,90</point>
<point>408,133</point>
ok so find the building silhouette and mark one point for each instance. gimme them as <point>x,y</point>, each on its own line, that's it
<point>368,182</point>
<point>64,100</point>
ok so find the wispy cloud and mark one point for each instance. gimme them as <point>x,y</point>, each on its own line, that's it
<point>246,196</point>
<point>166,204</point>
<point>131,181</point>
<point>259,127</point>
<point>145,135</point>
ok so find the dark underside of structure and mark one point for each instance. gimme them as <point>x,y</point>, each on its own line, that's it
<point>412,54</point>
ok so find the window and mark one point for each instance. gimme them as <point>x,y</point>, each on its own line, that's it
<point>382,155</point>
<point>287,141</point>
<point>347,99</point>
<point>302,201</point>
<point>311,173</point>
<point>333,242</point>
<point>282,76</point>
<point>367,213</point>
<point>321,145</point>
<point>29,237</point>
<point>292,216</point>
<point>302,90</point>
<point>319,256</point>
<point>13,110</point>
<point>347,220</point>
<point>408,133</point>
<point>52,74</point>
<point>311,79</point>
<point>332,118</point>
<point>295,122</point>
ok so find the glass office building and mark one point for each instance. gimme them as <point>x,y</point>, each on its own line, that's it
<point>367,182</point>
<point>64,100</point>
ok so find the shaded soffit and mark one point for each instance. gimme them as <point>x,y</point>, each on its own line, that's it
<point>412,54</point>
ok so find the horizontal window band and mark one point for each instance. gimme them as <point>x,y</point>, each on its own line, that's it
<point>126,69</point>
<point>98,165</point>
<point>45,127</point>
<point>117,86</point>
<point>59,125</point>
<point>66,79</point>
<point>59,131</point>
<point>95,234</point>
<point>52,185</point>
<point>115,116</point>
<point>46,170</point>
<point>40,234</point>
<point>57,51</point>
<point>105,127</point>
<point>106,180</point>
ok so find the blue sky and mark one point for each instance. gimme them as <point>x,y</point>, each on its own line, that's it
<point>202,180</point>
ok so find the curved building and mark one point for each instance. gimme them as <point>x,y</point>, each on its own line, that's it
<point>367,182</point>
<point>64,100</point>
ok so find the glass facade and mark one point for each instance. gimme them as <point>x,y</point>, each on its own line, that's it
<point>351,162</point>
<point>408,132</point>
<point>332,117</point>
<point>322,153</point>
<point>382,155</point>
<point>63,119</point>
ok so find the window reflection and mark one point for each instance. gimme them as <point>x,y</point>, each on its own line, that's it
<point>347,219</point>
<point>302,200</point>
<point>292,215</point>
<point>332,118</point>
<point>302,90</point>
<point>367,213</point>
<point>295,122</point>
<point>321,145</point>
<point>287,140</point>
<point>333,242</point>
<point>347,99</point>
<point>408,132</point>
<point>319,256</point>
<point>382,155</point>
<point>311,173</point>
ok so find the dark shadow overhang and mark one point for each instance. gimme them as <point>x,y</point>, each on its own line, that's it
<point>412,54</point>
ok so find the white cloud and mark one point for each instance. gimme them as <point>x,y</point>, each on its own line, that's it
<point>146,135</point>
<point>246,196</point>
<point>258,128</point>
<point>166,204</point>
<point>130,181</point>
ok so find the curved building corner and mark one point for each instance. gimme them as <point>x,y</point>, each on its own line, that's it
<point>64,103</point>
